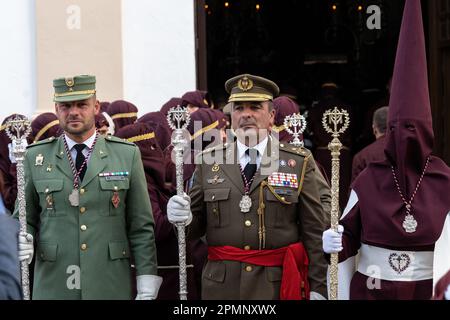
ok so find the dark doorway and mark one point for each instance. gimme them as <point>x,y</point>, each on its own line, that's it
<point>301,44</point>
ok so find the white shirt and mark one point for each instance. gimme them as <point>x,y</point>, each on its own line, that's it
<point>244,158</point>
<point>73,152</point>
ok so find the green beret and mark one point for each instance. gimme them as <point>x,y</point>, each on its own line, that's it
<point>247,87</point>
<point>74,88</point>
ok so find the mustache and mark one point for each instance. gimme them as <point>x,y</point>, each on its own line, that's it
<point>73,119</point>
<point>246,123</point>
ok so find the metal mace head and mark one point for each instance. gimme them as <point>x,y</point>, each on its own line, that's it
<point>18,129</point>
<point>295,124</point>
<point>178,118</point>
<point>338,119</point>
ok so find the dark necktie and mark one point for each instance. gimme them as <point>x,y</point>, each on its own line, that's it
<point>80,159</point>
<point>250,168</point>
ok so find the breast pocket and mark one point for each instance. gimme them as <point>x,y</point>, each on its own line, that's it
<point>216,207</point>
<point>281,207</point>
<point>51,197</point>
<point>113,196</point>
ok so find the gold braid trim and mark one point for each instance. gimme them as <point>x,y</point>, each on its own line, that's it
<point>141,137</point>
<point>302,174</point>
<point>2,127</point>
<point>278,129</point>
<point>124,115</point>
<point>44,129</point>
<point>261,208</point>
<point>205,129</point>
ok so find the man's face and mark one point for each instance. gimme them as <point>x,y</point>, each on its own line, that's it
<point>252,120</point>
<point>77,117</point>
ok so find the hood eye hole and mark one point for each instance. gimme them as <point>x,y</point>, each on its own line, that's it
<point>410,127</point>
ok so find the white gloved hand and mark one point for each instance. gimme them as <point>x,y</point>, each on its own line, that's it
<point>316,296</point>
<point>447,293</point>
<point>179,210</point>
<point>332,240</point>
<point>26,248</point>
<point>148,287</point>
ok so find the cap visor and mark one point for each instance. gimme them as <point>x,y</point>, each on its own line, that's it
<point>76,97</point>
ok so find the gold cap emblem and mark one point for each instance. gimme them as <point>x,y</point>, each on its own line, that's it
<point>70,82</point>
<point>245,84</point>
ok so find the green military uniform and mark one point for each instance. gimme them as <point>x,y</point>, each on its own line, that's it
<point>290,214</point>
<point>86,251</point>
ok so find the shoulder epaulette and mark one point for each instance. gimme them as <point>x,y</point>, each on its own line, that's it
<point>110,138</point>
<point>45,141</point>
<point>302,151</point>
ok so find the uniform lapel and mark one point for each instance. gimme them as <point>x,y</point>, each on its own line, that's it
<point>96,162</point>
<point>269,163</point>
<point>231,166</point>
<point>62,162</point>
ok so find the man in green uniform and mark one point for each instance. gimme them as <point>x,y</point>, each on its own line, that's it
<point>87,207</point>
<point>258,203</point>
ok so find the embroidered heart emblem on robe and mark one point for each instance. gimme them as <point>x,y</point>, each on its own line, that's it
<point>399,262</point>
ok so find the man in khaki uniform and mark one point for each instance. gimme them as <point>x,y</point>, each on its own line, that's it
<point>87,207</point>
<point>257,201</point>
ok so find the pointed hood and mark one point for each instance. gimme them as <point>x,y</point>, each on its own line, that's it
<point>410,131</point>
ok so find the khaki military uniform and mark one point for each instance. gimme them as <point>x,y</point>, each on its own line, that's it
<point>291,215</point>
<point>84,252</point>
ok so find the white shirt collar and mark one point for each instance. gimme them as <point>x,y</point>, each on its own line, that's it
<point>261,147</point>
<point>88,142</point>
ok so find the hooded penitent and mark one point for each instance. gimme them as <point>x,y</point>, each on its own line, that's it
<point>196,98</point>
<point>284,107</point>
<point>44,126</point>
<point>408,145</point>
<point>122,113</point>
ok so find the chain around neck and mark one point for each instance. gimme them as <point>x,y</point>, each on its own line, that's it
<point>408,203</point>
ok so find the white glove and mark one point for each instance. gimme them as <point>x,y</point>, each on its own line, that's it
<point>179,210</point>
<point>316,296</point>
<point>447,293</point>
<point>26,248</point>
<point>332,240</point>
<point>148,287</point>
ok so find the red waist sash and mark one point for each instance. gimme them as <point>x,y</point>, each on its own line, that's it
<point>293,259</point>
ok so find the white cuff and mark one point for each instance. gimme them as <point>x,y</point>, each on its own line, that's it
<point>148,287</point>
<point>316,296</point>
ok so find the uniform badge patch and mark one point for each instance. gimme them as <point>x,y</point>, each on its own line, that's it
<point>283,163</point>
<point>282,179</point>
<point>215,180</point>
<point>39,160</point>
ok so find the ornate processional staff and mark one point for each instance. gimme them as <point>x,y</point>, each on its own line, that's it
<point>17,130</point>
<point>178,119</point>
<point>340,120</point>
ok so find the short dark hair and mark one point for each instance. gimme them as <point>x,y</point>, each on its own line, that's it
<point>380,119</point>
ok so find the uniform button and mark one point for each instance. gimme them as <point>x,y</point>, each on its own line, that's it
<point>213,197</point>
<point>124,252</point>
<point>47,190</point>
<point>82,191</point>
<point>248,268</point>
<point>281,145</point>
<point>247,248</point>
<point>84,246</point>
<point>82,209</point>
<point>283,198</point>
<point>42,255</point>
<point>248,223</point>
<point>83,227</point>
<point>215,210</point>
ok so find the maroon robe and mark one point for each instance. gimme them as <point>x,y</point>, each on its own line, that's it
<point>374,152</point>
<point>44,126</point>
<point>441,287</point>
